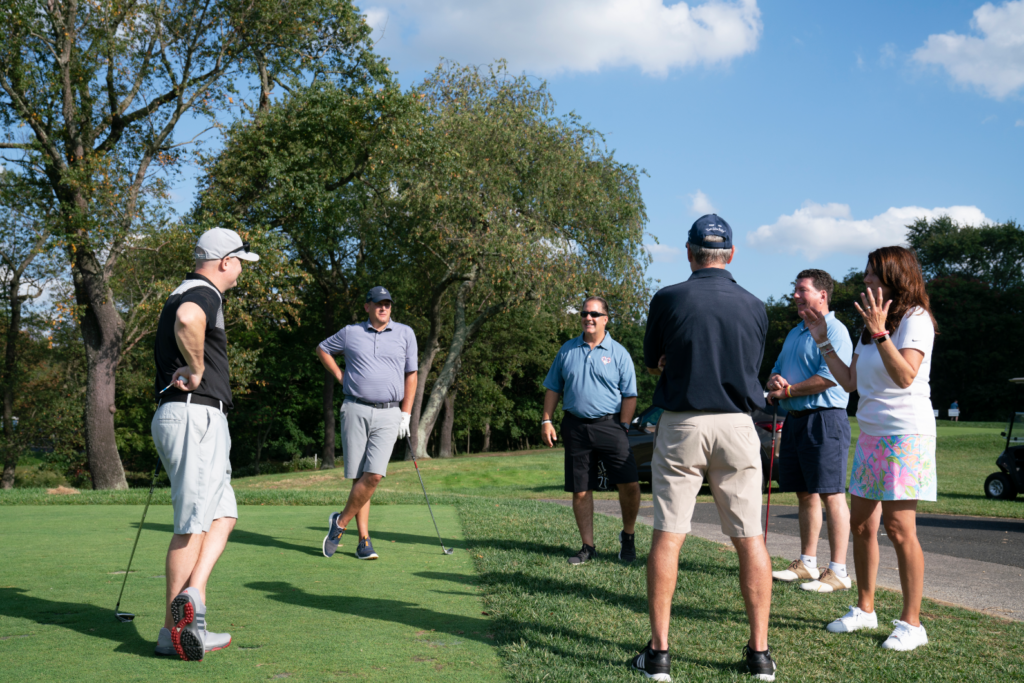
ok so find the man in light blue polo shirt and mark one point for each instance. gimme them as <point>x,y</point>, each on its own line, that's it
<point>815,435</point>
<point>595,376</point>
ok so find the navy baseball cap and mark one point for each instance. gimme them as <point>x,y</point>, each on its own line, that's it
<point>710,225</point>
<point>378,294</point>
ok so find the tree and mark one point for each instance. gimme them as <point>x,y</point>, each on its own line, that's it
<point>993,254</point>
<point>26,267</point>
<point>103,89</point>
<point>976,285</point>
<point>497,202</point>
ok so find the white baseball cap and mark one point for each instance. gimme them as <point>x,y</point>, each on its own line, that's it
<point>218,243</point>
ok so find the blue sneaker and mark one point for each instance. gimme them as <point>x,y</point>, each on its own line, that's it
<point>365,550</point>
<point>333,537</point>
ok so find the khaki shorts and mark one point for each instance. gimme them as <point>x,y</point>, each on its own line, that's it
<point>724,448</point>
<point>194,447</point>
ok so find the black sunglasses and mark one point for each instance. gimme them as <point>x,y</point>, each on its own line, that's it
<point>244,247</point>
<point>592,314</point>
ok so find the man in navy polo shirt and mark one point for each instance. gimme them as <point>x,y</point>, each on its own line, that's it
<point>815,436</point>
<point>596,378</point>
<point>705,338</point>
<point>379,382</point>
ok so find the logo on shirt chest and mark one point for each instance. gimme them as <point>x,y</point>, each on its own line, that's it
<point>606,360</point>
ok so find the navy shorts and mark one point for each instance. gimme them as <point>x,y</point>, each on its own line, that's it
<point>587,443</point>
<point>813,452</point>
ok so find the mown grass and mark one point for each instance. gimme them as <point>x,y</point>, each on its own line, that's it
<point>965,453</point>
<point>413,615</point>
<point>562,623</point>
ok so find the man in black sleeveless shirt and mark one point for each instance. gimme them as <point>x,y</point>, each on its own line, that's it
<point>190,431</point>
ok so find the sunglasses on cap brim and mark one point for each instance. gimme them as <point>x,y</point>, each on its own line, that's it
<point>244,247</point>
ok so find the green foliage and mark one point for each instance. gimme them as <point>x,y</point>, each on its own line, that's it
<point>993,254</point>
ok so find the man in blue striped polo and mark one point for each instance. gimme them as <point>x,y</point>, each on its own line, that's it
<point>379,382</point>
<point>595,376</point>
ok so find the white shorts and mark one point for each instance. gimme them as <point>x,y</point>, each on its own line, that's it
<point>194,447</point>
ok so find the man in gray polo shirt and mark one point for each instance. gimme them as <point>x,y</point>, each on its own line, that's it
<point>379,382</point>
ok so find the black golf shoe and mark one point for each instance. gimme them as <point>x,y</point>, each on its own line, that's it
<point>627,546</point>
<point>653,664</point>
<point>586,554</point>
<point>760,664</point>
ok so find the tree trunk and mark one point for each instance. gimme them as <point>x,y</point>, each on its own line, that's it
<point>10,450</point>
<point>487,438</point>
<point>102,329</point>
<point>462,333</point>
<point>329,382</point>
<point>447,424</point>
<point>469,433</point>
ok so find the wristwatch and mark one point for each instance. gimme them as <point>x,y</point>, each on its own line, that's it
<point>625,426</point>
<point>879,340</point>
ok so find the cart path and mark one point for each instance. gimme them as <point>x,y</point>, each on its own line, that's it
<point>974,562</point>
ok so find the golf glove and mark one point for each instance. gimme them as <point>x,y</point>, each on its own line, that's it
<point>403,427</point>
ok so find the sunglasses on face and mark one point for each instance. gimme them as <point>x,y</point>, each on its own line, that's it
<point>592,314</point>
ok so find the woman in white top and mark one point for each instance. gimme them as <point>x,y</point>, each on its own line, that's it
<point>894,464</point>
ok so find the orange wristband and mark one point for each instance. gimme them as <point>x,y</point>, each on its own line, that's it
<point>788,393</point>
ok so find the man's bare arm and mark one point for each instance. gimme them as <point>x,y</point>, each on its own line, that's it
<point>627,409</point>
<point>190,335</point>
<point>327,360</point>
<point>410,391</point>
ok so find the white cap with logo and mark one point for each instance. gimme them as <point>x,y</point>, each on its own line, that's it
<point>218,243</point>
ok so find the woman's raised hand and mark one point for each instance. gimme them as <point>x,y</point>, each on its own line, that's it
<point>815,323</point>
<point>873,311</point>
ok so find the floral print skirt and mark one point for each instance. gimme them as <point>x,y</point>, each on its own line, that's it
<point>900,467</point>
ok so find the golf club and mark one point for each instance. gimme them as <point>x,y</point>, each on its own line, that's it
<point>771,464</point>
<point>126,617</point>
<point>446,551</point>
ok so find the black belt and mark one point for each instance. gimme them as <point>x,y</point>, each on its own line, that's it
<point>198,400</point>
<point>592,420</point>
<point>809,411</point>
<point>389,404</point>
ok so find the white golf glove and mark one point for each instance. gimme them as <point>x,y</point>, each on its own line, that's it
<point>403,427</point>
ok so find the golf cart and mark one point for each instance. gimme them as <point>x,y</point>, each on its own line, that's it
<point>1006,483</point>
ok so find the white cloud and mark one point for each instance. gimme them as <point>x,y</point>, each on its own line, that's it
<point>993,60</point>
<point>662,253</point>
<point>1019,124</point>
<point>887,54</point>
<point>551,36</point>
<point>817,229</point>
<point>700,204</point>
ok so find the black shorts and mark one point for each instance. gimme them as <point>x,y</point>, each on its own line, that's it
<point>587,443</point>
<point>813,452</point>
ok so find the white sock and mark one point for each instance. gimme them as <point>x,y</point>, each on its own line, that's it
<point>839,569</point>
<point>809,561</point>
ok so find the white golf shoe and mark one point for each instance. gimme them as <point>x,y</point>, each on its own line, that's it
<point>854,620</point>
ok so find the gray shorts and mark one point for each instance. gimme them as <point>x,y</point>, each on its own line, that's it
<point>194,447</point>
<point>368,436</point>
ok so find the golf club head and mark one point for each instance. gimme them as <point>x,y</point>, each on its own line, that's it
<point>125,617</point>
<point>449,551</point>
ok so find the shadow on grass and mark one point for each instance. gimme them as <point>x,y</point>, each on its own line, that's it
<point>399,537</point>
<point>88,620</point>
<point>397,611</point>
<point>249,538</point>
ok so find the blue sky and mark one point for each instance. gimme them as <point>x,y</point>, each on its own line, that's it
<point>818,130</point>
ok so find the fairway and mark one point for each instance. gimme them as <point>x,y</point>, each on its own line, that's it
<point>414,614</point>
